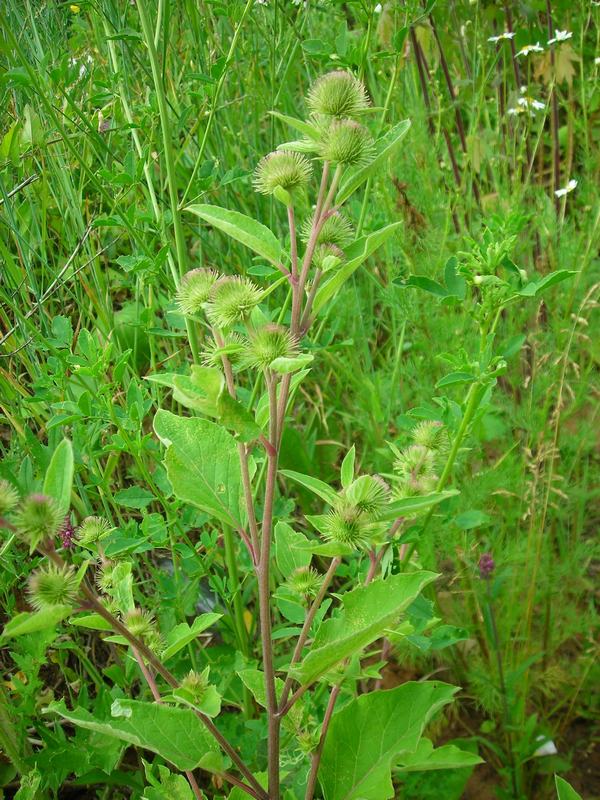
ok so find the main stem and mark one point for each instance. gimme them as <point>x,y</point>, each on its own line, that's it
<point>264,592</point>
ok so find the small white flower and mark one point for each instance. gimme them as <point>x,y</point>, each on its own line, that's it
<point>572,184</point>
<point>505,35</point>
<point>560,36</point>
<point>378,8</point>
<point>527,104</point>
<point>597,60</point>
<point>530,48</point>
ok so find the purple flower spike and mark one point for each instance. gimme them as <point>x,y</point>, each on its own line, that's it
<point>67,533</point>
<point>486,565</point>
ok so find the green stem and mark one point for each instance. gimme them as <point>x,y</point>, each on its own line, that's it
<point>180,244</point>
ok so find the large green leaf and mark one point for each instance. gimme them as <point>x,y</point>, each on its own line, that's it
<point>34,621</point>
<point>354,256</point>
<point>205,390</point>
<point>426,758</point>
<point>385,147</point>
<point>176,734</point>
<point>367,737</point>
<point>366,613</point>
<point>564,790</point>
<point>243,229</point>
<point>59,476</point>
<point>202,464</point>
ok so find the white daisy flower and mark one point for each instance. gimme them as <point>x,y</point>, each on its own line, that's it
<point>572,184</point>
<point>597,60</point>
<point>530,48</point>
<point>502,36</point>
<point>378,8</point>
<point>560,36</point>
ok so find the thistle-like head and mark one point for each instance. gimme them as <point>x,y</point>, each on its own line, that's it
<point>232,300</point>
<point>305,581</point>
<point>92,530</point>
<point>282,170</point>
<point>194,290</point>
<point>52,586</point>
<point>347,525</point>
<point>337,94</point>
<point>38,517</point>
<point>347,143</point>
<point>268,343</point>
<point>9,497</point>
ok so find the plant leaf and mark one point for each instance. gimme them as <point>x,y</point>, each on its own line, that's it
<point>347,469</point>
<point>422,282</point>
<point>384,149</point>
<point>354,255</point>
<point>176,734</point>
<point>426,758</point>
<point>182,634</point>
<point>315,485</point>
<point>412,505</point>
<point>288,553</point>
<point>358,755</point>
<point>564,790</point>
<point>284,365</point>
<point>202,464</point>
<point>59,476</point>
<point>243,229</point>
<point>33,621</point>
<point>365,613</point>
<point>535,288</point>
<point>300,125</point>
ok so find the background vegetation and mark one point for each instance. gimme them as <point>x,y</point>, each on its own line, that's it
<point>87,283</point>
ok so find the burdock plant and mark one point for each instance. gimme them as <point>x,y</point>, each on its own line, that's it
<point>222,456</point>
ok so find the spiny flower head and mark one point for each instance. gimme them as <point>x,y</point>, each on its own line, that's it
<point>305,581</point>
<point>196,684</point>
<point>105,576</point>
<point>282,169</point>
<point>232,349</point>
<point>431,434</point>
<point>369,494</point>
<point>267,344</point>
<point>52,586</point>
<point>92,530</point>
<point>415,469</point>
<point>232,300</point>
<point>194,290</point>
<point>37,517</point>
<point>347,525</point>
<point>140,623</point>
<point>346,142</point>
<point>337,94</point>
<point>337,230</point>
<point>9,497</point>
